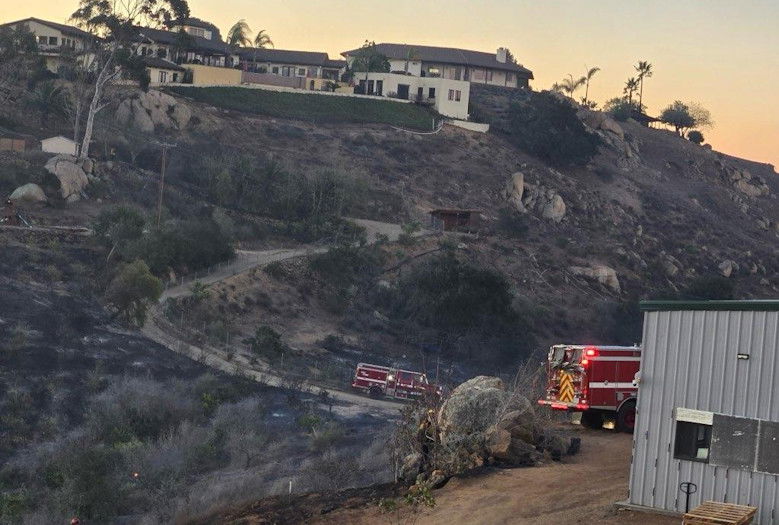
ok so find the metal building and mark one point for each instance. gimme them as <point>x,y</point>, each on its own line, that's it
<point>708,406</point>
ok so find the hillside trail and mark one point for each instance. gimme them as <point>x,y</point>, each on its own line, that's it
<point>246,260</point>
<point>346,403</point>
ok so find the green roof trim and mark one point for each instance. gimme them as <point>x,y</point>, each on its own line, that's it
<point>767,305</point>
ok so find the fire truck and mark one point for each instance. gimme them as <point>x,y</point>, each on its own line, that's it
<point>378,381</point>
<point>601,382</point>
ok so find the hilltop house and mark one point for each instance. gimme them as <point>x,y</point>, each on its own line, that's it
<point>497,69</point>
<point>299,69</point>
<point>55,41</point>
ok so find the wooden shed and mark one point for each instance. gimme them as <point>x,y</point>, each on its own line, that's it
<point>455,219</point>
<point>12,141</point>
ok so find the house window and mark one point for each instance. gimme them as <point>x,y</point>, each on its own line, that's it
<point>175,77</point>
<point>431,93</point>
<point>451,94</point>
<point>434,71</point>
<point>301,71</point>
<point>162,52</point>
<point>692,442</point>
<point>489,75</point>
<point>52,40</point>
<point>163,77</point>
<point>457,95</point>
<point>286,71</point>
<point>380,87</point>
<point>275,70</point>
<point>43,40</point>
<point>457,73</point>
<point>510,78</point>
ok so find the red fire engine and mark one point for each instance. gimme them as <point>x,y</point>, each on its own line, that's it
<point>601,382</point>
<point>380,381</point>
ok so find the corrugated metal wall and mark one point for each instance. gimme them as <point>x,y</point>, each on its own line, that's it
<point>689,359</point>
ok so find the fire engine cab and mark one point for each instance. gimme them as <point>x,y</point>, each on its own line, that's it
<point>378,381</point>
<point>601,382</point>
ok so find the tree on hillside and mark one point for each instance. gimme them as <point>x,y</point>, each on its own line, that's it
<point>368,59</point>
<point>695,136</point>
<point>644,70</point>
<point>132,291</point>
<point>411,55</point>
<point>620,108</point>
<point>48,99</point>
<point>118,23</point>
<point>630,87</point>
<point>569,85</point>
<point>678,115</point>
<point>239,35</point>
<point>587,78</point>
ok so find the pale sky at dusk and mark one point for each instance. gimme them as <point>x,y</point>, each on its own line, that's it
<point>723,54</point>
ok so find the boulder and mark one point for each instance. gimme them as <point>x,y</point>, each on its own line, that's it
<point>70,173</point>
<point>141,119</point>
<point>554,208</point>
<point>610,125</point>
<point>728,267</point>
<point>502,446</point>
<point>472,408</point>
<point>28,193</point>
<point>412,464</point>
<point>605,275</point>
<point>515,189</point>
<point>181,115</point>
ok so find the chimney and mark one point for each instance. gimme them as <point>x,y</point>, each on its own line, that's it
<point>500,56</point>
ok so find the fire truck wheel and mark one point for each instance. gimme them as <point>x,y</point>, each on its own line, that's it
<point>592,419</point>
<point>626,417</point>
<point>374,392</point>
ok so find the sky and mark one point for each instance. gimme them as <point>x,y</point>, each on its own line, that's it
<point>721,54</point>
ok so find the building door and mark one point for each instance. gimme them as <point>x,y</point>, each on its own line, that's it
<point>403,91</point>
<point>420,94</point>
<point>370,87</point>
<point>380,87</point>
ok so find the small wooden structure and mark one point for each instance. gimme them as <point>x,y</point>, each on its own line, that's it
<point>455,219</point>
<point>716,513</point>
<point>12,141</point>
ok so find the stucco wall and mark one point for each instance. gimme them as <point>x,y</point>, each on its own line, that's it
<point>154,75</point>
<point>450,108</point>
<point>211,75</point>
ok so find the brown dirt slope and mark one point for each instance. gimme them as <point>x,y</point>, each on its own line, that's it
<point>580,491</point>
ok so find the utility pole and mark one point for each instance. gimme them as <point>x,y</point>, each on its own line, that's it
<point>165,147</point>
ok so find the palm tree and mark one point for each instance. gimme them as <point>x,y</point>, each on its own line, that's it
<point>261,41</point>
<point>590,73</point>
<point>49,99</point>
<point>644,70</point>
<point>630,87</point>
<point>238,36</point>
<point>569,85</point>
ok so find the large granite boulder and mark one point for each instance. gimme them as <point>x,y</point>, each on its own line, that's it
<point>71,175</point>
<point>151,110</point>
<point>605,275</point>
<point>29,193</point>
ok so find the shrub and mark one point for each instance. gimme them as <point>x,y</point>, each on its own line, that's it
<point>132,290</point>
<point>548,128</point>
<point>266,342</point>
<point>406,237</point>
<point>511,223</point>
<point>695,136</point>
<point>709,287</point>
<point>620,109</point>
<point>182,245</point>
<point>115,227</point>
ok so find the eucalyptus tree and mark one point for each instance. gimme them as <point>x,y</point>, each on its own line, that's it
<point>115,27</point>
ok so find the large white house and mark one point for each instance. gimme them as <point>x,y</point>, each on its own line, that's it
<point>497,69</point>
<point>55,41</point>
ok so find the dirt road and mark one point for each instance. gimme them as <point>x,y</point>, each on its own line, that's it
<point>581,490</point>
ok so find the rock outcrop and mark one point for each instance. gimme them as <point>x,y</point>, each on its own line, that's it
<point>481,422</point>
<point>71,175</point>
<point>605,275</point>
<point>526,197</point>
<point>151,110</point>
<point>728,267</point>
<point>30,193</point>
